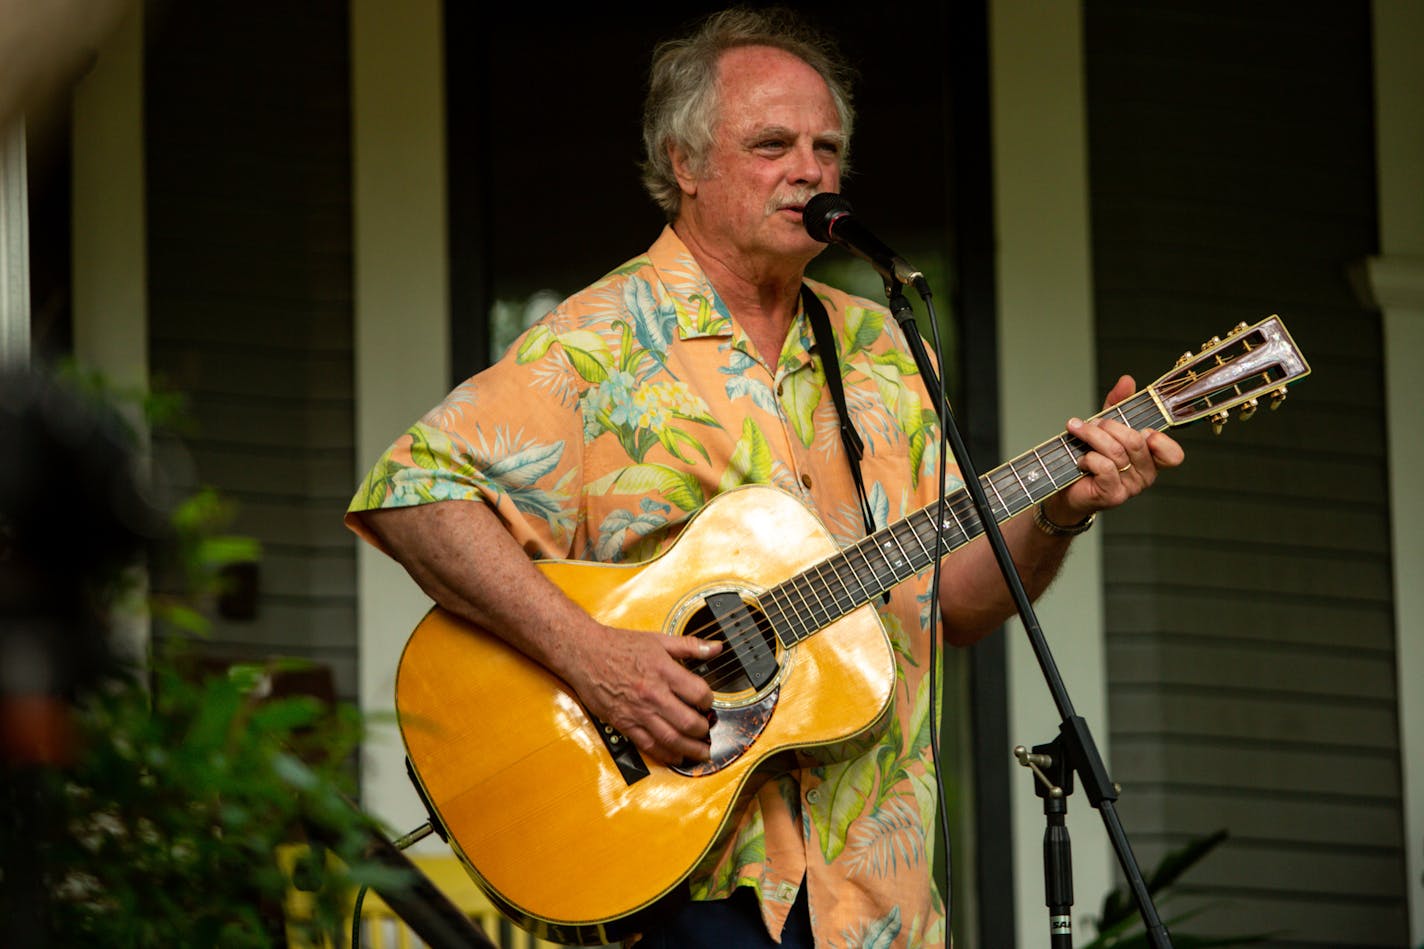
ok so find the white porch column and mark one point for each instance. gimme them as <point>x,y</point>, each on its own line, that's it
<point>1046,373</point>
<point>1396,282</point>
<point>14,246</point>
<point>401,324</point>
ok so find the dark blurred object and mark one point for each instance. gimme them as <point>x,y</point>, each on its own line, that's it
<point>72,517</point>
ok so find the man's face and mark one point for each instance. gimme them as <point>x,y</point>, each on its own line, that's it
<point>776,143</point>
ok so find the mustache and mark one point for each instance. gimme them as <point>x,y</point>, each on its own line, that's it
<point>796,199</point>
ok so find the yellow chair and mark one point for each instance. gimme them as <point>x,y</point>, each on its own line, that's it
<point>381,928</point>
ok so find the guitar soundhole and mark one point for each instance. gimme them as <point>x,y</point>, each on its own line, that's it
<point>748,657</point>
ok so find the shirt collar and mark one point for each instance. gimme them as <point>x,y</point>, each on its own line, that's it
<point>700,311</point>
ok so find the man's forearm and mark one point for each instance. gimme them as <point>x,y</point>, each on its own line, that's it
<point>464,559</point>
<point>975,600</point>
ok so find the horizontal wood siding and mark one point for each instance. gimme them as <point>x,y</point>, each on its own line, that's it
<point>1250,632</point>
<point>249,205</point>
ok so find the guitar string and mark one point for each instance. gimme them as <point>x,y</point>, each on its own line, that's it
<point>726,668</point>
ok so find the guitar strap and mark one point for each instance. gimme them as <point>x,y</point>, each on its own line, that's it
<point>831,366</point>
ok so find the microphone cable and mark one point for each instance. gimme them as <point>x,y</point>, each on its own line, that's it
<point>941,408</point>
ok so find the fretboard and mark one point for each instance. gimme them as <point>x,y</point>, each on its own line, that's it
<point>866,570</point>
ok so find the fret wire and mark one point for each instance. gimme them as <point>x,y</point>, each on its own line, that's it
<point>930,558</point>
<point>952,508</point>
<point>795,586</point>
<point>1002,503</point>
<point>864,547</point>
<point>767,602</point>
<point>904,558</point>
<point>836,571</point>
<point>796,619</point>
<point>1027,493</point>
<point>873,557</point>
<point>951,535</point>
<point>914,565</point>
<point>939,533</point>
<point>1046,470</point>
<point>820,608</point>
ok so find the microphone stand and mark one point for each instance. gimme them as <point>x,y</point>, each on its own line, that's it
<point>1076,751</point>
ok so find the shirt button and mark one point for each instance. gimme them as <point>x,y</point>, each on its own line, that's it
<point>806,480</point>
<point>813,796</point>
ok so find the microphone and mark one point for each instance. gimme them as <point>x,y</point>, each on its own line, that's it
<point>829,219</point>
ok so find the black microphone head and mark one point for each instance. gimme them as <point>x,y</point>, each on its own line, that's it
<point>821,212</point>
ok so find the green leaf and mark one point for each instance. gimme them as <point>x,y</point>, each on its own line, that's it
<point>903,364</point>
<point>751,459</point>
<point>536,343</point>
<point>850,790</point>
<point>1119,904</point>
<point>677,487</point>
<point>286,715</point>
<point>800,395</point>
<point>228,549</point>
<point>863,328</point>
<point>587,353</point>
<point>672,437</point>
<point>293,771</point>
<point>422,453</point>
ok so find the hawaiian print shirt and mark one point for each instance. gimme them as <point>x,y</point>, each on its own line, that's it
<point>621,413</point>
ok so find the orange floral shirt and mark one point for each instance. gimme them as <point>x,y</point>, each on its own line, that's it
<point>621,413</point>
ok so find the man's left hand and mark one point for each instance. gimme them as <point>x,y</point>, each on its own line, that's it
<point>1122,464</point>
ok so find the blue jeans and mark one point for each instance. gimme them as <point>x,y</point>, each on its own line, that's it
<point>733,923</point>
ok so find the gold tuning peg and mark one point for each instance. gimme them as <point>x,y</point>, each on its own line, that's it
<point>1214,341</point>
<point>1185,358</point>
<point>1248,409</point>
<point>1238,329</point>
<point>1219,420</point>
<point>1278,398</point>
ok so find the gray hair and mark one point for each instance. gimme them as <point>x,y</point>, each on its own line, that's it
<point>681,107</point>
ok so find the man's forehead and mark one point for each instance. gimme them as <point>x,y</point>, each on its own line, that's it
<point>757,66</point>
<point>765,78</point>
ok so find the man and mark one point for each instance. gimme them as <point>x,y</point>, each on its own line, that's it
<point>684,373</point>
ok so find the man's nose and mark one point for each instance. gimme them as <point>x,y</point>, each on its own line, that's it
<point>807,168</point>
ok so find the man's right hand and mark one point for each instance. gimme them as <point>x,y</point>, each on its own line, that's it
<point>633,681</point>
<point>637,683</point>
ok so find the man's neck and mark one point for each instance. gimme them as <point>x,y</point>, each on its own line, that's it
<point>762,300</point>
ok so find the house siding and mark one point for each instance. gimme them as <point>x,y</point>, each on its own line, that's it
<point>1250,638</point>
<point>247,134</point>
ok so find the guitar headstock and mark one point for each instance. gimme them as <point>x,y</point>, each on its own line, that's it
<point>1251,363</point>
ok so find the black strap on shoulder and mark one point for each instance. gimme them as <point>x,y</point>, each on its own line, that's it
<point>831,366</point>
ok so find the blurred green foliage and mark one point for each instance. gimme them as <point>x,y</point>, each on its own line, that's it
<point>1119,925</point>
<point>163,827</point>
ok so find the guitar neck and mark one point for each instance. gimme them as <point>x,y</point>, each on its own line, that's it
<point>865,571</point>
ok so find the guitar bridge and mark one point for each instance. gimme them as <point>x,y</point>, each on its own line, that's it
<point>625,755</point>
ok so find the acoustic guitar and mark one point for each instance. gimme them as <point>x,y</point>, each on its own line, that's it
<point>559,819</point>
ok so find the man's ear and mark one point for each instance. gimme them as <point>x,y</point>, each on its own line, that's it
<point>682,169</point>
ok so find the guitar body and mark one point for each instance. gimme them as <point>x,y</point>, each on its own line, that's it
<point>566,842</point>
